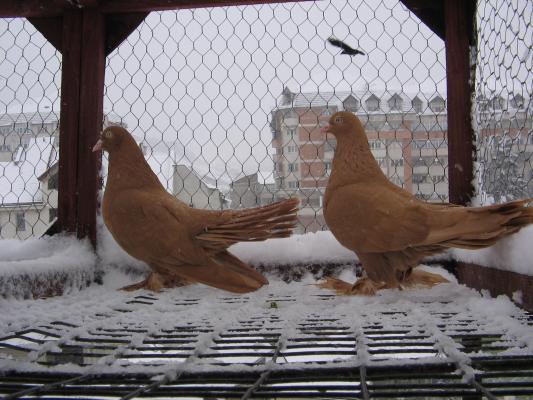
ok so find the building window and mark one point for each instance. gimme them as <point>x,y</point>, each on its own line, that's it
<point>427,144</point>
<point>437,104</point>
<point>438,178</point>
<point>5,147</point>
<point>330,145</point>
<point>372,105</point>
<point>52,215</point>
<point>395,103</point>
<point>351,104</point>
<point>417,105</point>
<point>292,149</point>
<point>21,222</point>
<point>293,167</point>
<point>397,163</point>
<point>327,166</point>
<point>291,132</point>
<point>419,178</point>
<point>294,185</point>
<point>381,162</point>
<point>52,182</point>
<point>327,112</point>
<point>375,144</point>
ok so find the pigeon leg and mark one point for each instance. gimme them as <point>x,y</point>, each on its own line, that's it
<point>156,281</point>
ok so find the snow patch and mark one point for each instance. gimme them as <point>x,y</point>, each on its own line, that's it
<point>514,253</point>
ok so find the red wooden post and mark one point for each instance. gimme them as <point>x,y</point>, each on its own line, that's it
<point>90,119</point>
<point>69,122</point>
<point>459,17</point>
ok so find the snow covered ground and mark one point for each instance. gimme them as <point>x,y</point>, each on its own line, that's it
<point>118,331</point>
<point>197,328</point>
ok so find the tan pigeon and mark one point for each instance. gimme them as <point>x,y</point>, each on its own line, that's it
<point>388,228</point>
<point>180,244</point>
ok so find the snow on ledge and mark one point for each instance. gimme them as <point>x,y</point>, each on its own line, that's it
<point>36,266</point>
<point>514,253</point>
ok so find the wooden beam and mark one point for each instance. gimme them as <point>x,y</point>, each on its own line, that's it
<point>496,281</point>
<point>90,119</point>
<point>119,26</point>
<point>128,6</point>
<point>459,17</point>
<point>69,122</point>
<point>431,13</point>
<point>51,28</point>
<point>29,8</point>
<point>48,8</point>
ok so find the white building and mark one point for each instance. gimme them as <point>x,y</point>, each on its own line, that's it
<point>254,190</point>
<point>28,190</point>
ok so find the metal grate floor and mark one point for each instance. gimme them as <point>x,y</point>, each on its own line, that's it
<point>284,341</point>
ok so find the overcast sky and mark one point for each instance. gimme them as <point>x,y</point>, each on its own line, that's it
<point>202,83</point>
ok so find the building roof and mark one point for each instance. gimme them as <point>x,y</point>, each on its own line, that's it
<point>19,181</point>
<point>32,118</point>
<point>289,100</point>
<point>336,99</point>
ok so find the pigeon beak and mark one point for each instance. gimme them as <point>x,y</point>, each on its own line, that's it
<point>98,146</point>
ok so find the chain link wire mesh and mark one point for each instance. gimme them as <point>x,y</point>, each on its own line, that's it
<point>227,103</point>
<point>30,75</point>
<point>503,105</point>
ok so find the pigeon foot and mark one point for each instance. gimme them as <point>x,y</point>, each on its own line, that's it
<point>155,282</point>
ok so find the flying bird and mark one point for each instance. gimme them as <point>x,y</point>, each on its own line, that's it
<point>180,244</point>
<point>391,230</point>
<point>345,48</point>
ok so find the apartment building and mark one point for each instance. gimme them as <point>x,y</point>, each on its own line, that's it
<point>406,134</point>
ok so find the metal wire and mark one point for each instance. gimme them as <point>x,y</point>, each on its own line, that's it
<point>227,102</point>
<point>503,106</point>
<point>29,131</point>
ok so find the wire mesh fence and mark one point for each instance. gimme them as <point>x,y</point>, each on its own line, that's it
<point>226,346</point>
<point>503,106</point>
<point>227,103</point>
<point>30,74</point>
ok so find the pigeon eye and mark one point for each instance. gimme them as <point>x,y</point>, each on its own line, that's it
<point>339,120</point>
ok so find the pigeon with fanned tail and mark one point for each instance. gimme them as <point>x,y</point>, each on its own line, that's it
<point>391,230</point>
<point>181,245</point>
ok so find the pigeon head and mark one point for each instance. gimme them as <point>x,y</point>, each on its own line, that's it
<point>344,125</point>
<point>112,139</point>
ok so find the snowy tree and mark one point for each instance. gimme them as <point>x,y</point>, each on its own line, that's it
<point>503,178</point>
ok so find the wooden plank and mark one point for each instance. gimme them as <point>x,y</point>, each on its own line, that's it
<point>496,281</point>
<point>128,6</point>
<point>69,122</point>
<point>29,8</point>
<point>431,13</point>
<point>119,26</point>
<point>459,21</point>
<point>51,28</point>
<point>47,8</point>
<point>91,117</point>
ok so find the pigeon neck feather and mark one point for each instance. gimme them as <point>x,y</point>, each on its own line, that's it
<point>129,170</point>
<point>353,162</point>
